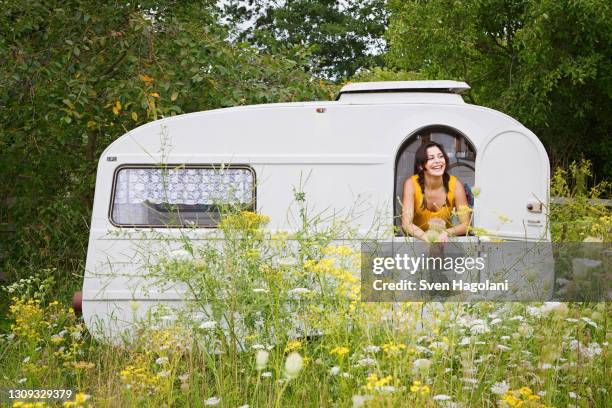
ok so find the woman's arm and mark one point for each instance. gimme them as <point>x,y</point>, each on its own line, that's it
<point>408,211</point>
<point>462,212</point>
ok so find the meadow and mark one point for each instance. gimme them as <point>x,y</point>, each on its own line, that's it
<point>276,320</point>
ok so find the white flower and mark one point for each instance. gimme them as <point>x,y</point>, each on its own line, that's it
<point>388,389</point>
<point>266,374</point>
<point>372,349</point>
<point>503,347</point>
<point>287,262</point>
<point>360,400</point>
<point>164,373</point>
<point>557,308</point>
<point>22,380</point>
<point>517,317</point>
<point>261,359</point>
<point>257,346</point>
<point>439,345</point>
<point>25,360</point>
<point>496,321</point>
<point>212,401</point>
<point>470,380</point>
<point>161,360</point>
<point>364,362</point>
<point>589,321</point>
<point>260,290</point>
<point>479,327</point>
<point>183,377</point>
<point>293,365</point>
<point>245,406</point>
<point>500,388</point>
<point>335,370</point>
<point>441,397</point>
<point>505,337</point>
<point>208,325</point>
<point>465,341</point>
<point>572,395</point>
<point>297,292</point>
<point>421,364</point>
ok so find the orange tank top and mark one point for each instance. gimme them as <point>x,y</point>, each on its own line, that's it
<point>423,215</point>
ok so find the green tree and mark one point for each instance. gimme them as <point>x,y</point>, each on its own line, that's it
<point>337,37</point>
<point>78,74</point>
<point>547,63</point>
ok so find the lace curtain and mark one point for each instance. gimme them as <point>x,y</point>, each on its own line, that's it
<point>190,186</point>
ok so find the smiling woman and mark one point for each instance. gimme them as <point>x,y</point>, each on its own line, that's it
<point>431,194</point>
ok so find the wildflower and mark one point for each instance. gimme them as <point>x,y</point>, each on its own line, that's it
<point>293,365</point>
<point>372,349</point>
<point>335,370</point>
<point>266,374</point>
<point>339,351</point>
<point>558,308</point>
<point>375,384</point>
<point>161,361</point>
<point>572,395</point>
<point>260,290</point>
<point>421,365</point>
<point>209,325</point>
<point>418,388</point>
<point>86,365</point>
<point>503,347</point>
<point>441,397</point>
<point>212,401</point>
<point>22,380</point>
<point>261,360</point>
<point>297,292</point>
<point>365,362</point>
<point>293,345</point>
<point>500,388</point>
<point>359,400</point>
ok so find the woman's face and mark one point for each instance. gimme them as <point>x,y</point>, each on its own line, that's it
<point>436,164</point>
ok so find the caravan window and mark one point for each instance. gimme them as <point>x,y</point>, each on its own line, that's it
<point>180,195</point>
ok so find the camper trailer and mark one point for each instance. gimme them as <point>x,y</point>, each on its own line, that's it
<point>358,148</point>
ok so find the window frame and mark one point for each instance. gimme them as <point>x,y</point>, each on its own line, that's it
<point>169,166</point>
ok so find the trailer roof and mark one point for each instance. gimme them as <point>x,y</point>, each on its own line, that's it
<point>455,87</point>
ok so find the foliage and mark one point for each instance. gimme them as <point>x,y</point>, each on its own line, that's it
<point>547,63</point>
<point>580,217</point>
<point>339,38</point>
<point>78,74</point>
<point>254,338</point>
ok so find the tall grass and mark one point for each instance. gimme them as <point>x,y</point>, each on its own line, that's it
<point>276,320</point>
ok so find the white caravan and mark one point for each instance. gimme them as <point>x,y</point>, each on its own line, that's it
<point>358,148</point>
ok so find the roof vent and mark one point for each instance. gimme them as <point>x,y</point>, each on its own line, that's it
<point>441,87</point>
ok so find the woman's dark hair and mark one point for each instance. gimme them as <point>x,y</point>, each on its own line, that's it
<point>420,159</point>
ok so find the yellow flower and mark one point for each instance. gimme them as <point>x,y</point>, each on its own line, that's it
<point>293,345</point>
<point>339,351</point>
<point>154,94</point>
<point>418,388</point>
